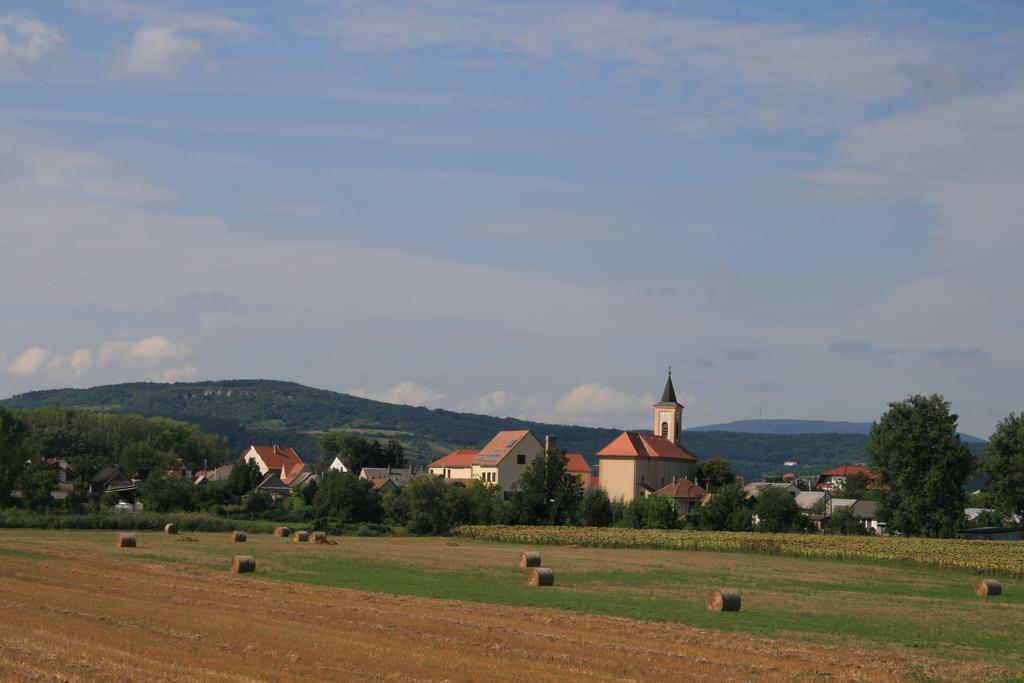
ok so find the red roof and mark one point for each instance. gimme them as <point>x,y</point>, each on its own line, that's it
<point>460,458</point>
<point>575,463</point>
<point>637,445</point>
<point>275,457</point>
<point>682,489</point>
<point>848,471</point>
<point>498,447</point>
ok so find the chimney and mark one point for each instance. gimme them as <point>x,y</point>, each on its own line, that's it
<point>549,443</point>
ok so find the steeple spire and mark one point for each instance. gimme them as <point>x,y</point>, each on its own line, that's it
<point>669,395</point>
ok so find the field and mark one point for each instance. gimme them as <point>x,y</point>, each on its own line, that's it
<point>72,607</point>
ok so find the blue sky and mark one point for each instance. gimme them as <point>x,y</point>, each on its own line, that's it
<point>520,208</point>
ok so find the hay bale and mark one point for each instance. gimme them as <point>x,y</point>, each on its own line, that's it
<point>320,537</point>
<point>282,532</point>
<point>723,600</point>
<point>988,587</point>
<point>243,564</point>
<point>171,529</point>
<point>125,540</point>
<point>300,536</point>
<point>238,536</point>
<point>542,576</point>
<point>529,559</point>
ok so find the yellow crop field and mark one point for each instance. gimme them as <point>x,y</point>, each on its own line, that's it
<point>1001,557</point>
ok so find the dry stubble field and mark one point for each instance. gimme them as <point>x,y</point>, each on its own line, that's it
<point>72,607</point>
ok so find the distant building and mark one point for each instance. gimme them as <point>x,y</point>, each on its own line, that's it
<point>685,495</point>
<point>112,479</point>
<point>456,465</point>
<point>399,476</point>
<point>285,461</point>
<point>505,457</point>
<point>637,464</point>
<point>835,478</point>
<point>754,488</point>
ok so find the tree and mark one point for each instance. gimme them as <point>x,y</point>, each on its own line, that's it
<point>776,510</point>
<point>36,482</point>
<point>164,492</point>
<point>855,486</point>
<point>393,454</point>
<point>650,512</point>
<point>244,477</point>
<point>1005,465</point>
<point>139,459</point>
<point>360,452</point>
<point>546,493</point>
<point>714,473</point>
<point>344,498</point>
<point>727,511</point>
<point>426,506</point>
<point>595,508</point>
<point>922,464</point>
<point>844,522</point>
<point>12,453</point>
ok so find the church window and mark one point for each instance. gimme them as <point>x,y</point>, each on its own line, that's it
<point>664,429</point>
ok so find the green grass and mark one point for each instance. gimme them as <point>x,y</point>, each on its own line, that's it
<point>930,610</point>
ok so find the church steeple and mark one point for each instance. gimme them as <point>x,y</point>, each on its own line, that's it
<point>668,413</point>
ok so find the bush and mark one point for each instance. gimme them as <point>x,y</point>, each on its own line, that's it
<point>653,512</point>
<point>777,510</point>
<point>595,508</point>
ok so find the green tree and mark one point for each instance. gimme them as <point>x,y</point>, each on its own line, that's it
<point>426,505</point>
<point>343,498</point>
<point>714,473</point>
<point>139,459</point>
<point>650,512</point>
<point>1004,465</point>
<point>776,510</point>
<point>244,477</point>
<point>855,486</point>
<point>12,453</point>
<point>595,508</point>
<point>164,492</point>
<point>727,511</point>
<point>844,522</point>
<point>546,493</point>
<point>36,482</point>
<point>922,464</point>
<point>393,454</point>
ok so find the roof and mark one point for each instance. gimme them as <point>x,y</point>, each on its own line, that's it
<point>682,489</point>
<point>105,475</point>
<point>669,393</point>
<point>291,472</point>
<point>849,471</point>
<point>303,477</point>
<point>382,484</point>
<point>275,457</point>
<point>836,503</point>
<point>865,509</point>
<point>754,488</point>
<point>460,458</point>
<point>637,445</point>
<point>806,500</point>
<point>272,482</point>
<point>498,447</point>
<point>575,463</point>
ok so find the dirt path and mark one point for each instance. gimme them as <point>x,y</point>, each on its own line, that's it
<point>94,617</point>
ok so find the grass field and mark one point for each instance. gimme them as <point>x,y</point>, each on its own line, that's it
<point>844,620</point>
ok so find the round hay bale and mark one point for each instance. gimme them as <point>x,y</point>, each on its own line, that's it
<point>529,559</point>
<point>238,536</point>
<point>988,587</point>
<point>319,537</point>
<point>542,576</point>
<point>300,536</point>
<point>723,600</point>
<point>126,540</point>
<point>282,532</point>
<point>243,564</point>
<point>171,529</point>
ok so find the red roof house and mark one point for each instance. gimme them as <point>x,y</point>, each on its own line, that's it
<point>285,461</point>
<point>835,478</point>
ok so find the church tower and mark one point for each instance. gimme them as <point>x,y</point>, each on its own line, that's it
<point>668,414</point>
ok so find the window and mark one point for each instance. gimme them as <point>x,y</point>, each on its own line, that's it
<point>521,459</point>
<point>664,429</point>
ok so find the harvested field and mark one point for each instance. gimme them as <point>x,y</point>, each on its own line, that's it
<point>179,613</point>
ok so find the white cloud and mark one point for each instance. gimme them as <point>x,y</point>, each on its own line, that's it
<point>120,357</point>
<point>156,50</point>
<point>24,40</point>
<point>404,393</point>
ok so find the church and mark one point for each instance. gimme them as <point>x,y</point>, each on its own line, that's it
<point>638,464</point>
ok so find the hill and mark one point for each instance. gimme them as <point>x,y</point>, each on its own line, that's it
<point>267,411</point>
<point>800,427</point>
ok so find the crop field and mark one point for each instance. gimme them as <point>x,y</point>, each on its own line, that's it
<point>73,607</point>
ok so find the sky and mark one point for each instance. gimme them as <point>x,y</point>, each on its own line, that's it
<point>523,209</point>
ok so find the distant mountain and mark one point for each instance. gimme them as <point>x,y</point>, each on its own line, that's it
<point>800,427</point>
<point>267,411</point>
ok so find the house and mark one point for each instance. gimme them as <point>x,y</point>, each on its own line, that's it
<point>399,476</point>
<point>866,511</point>
<point>112,479</point>
<point>575,464</point>
<point>219,474</point>
<point>65,472</point>
<point>835,478</point>
<point>684,493</point>
<point>835,504</point>
<point>272,484</point>
<point>808,500</point>
<point>638,464</point>
<point>284,460</point>
<point>383,485</point>
<point>505,457</point>
<point>339,465</point>
<point>456,465</point>
<point>790,463</point>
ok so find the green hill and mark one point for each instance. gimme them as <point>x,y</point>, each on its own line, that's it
<point>265,411</point>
